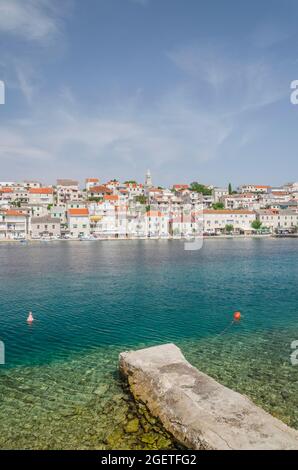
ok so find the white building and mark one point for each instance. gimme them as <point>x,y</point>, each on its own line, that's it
<point>156,224</point>
<point>219,193</point>
<point>45,227</point>
<point>31,184</point>
<point>13,225</point>
<point>215,221</point>
<point>90,183</point>
<point>78,223</point>
<point>250,201</point>
<point>59,212</point>
<point>6,196</point>
<point>41,196</point>
<point>255,188</point>
<point>67,190</point>
<point>274,219</point>
<point>103,219</point>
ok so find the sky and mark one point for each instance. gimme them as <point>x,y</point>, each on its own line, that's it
<point>193,90</point>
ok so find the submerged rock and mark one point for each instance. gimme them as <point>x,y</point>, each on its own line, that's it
<point>132,425</point>
<point>101,390</point>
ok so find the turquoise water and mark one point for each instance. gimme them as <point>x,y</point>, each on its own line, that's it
<point>60,388</point>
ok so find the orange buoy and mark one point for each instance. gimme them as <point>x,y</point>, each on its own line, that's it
<point>30,318</point>
<point>237,316</point>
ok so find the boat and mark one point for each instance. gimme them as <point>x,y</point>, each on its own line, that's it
<point>87,239</point>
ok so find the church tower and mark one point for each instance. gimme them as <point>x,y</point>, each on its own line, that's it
<point>148,180</point>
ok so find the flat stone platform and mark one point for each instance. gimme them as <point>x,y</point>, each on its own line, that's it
<point>198,411</point>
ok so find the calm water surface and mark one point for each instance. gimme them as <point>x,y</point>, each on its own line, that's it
<point>60,388</point>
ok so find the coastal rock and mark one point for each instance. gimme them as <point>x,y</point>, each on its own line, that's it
<point>198,411</point>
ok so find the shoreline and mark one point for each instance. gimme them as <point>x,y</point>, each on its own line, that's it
<point>184,240</point>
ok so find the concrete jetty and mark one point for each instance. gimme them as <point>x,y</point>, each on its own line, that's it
<point>198,411</point>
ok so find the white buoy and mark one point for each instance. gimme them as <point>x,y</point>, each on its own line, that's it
<point>30,318</point>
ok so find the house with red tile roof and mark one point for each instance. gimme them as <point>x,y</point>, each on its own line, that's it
<point>90,183</point>
<point>79,223</point>
<point>13,225</point>
<point>98,191</point>
<point>180,187</point>
<point>41,196</point>
<point>255,188</point>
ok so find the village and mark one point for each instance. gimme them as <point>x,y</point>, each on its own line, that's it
<point>30,210</point>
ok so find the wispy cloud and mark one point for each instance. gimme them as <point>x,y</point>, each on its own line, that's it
<point>234,83</point>
<point>162,137</point>
<point>26,78</point>
<point>33,20</point>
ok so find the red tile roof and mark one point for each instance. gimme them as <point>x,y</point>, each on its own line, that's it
<point>78,212</point>
<point>6,190</point>
<point>111,197</point>
<point>100,189</point>
<point>92,180</point>
<point>227,211</point>
<point>41,191</point>
<point>153,214</point>
<point>14,213</point>
<point>180,186</point>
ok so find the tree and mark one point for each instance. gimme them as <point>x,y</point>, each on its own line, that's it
<point>95,199</point>
<point>200,188</point>
<point>256,224</point>
<point>130,182</point>
<point>141,199</point>
<point>230,189</point>
<point>229,228</point>
<point>218,206</point>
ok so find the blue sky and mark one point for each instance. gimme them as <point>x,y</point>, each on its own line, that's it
<point>193,90</point>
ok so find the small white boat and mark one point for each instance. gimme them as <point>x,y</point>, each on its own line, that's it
<point>87,239</point>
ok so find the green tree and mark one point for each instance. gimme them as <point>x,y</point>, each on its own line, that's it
<point>229,228</point>
<point>95,199</point>
<point>218,206</point>
<point>130,182</point>
<point>141,199</point>
<point>256,224</point>
<point>230,189</point>
<point>200,188</point>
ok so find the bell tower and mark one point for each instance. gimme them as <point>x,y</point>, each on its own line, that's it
<point>148,179</point>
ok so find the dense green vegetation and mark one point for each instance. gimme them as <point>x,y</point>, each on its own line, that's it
<point>218,206</point>
<point>200,188</point>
